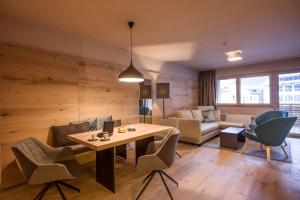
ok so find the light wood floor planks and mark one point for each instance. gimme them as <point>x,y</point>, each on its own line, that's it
<point>202,173</point>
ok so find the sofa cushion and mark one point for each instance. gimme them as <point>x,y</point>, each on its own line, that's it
<point>208,127</point>
<point>197,114</point>
<point>226,124</point>
<point>60,133</point>
<point>208,116</point>
<point>202,108</point>
<point>92,124</point>
<point>217,114</point>
<point>184,114</point>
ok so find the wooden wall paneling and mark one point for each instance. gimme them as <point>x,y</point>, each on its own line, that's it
<point>37,91</point>
<point>40,89</point>
<point>102,94</point>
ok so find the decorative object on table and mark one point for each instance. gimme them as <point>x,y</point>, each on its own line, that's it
<point>131,74</point>
<point>271,133</point>
<point>159,160</point>
<point>93,138</point>
<point>117,122</point>
<point>100,135</point>
<point>145,93</point>
<point>37,159</point>
<point>108,126</point>
<point>130,129</point>
<point>105,136</point>
<point>121,130</point>
<point>163,92</point>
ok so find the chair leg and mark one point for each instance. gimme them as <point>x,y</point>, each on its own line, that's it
<point>148,176</point>
<point>284,151</point>
<point>145,186</point>
<point>69,186</point>
<point>245,146</point>
<point>60,191</point>
<point>168,176</point>
<point>178,154</point>
<point>268,152</point>
<point>162,178</point>
<point>41,194</point>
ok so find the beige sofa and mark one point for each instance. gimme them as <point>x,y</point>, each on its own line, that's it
<point>196,131</point>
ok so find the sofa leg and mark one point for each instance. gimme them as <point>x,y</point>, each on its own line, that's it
<point>284,151</point>
<point>245,146</point>
<point>268,153</point>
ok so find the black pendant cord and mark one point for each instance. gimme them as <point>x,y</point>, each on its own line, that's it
<point>131,45</point>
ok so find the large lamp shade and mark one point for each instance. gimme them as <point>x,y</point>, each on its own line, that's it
<point>145,91</point>
<point>162,90</point>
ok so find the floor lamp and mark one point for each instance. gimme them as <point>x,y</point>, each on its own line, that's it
<point>145,93</point>
<point>163,92</point>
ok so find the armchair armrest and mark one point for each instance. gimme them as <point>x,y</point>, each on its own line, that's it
<point>64,153</point>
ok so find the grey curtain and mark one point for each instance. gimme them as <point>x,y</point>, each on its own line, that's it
<point>207,88</point>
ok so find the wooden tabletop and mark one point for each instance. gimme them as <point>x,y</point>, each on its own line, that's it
<point>142,131</point>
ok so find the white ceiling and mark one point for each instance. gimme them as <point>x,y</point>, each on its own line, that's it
<point>186,32</point>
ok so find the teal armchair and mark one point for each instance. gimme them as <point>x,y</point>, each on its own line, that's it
<point>271,133</point>
<point>266,116</point>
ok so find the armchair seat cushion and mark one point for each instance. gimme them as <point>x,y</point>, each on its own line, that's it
<point>208,127</point>
<point>226,124</point>
<point>251,136</point>
<point>79,148</point>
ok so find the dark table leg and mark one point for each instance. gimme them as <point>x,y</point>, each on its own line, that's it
<point>141,147</point>
<point>122,151</point>
<point>105,168</point>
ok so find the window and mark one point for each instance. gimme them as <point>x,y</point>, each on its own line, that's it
<point>226,91</point>
<point>288,88</point>
<point>255,90</point>
<point>297,98</point>
<point>288,98</point>
<point>297,87</point>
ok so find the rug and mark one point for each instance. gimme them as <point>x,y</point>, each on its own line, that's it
<point>254,149</point>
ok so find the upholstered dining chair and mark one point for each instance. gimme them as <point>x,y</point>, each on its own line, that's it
<point>271,133</point>
<point>159,160</point>
<point>43,164</point>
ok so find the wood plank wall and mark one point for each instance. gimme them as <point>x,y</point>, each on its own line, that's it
<point>39,89</point>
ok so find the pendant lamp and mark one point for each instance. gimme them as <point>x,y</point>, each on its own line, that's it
<point>131,74</point>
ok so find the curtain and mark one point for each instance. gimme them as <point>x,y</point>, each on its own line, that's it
<point>207,88</point>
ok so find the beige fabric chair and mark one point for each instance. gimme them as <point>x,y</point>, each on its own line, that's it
<point>37,160</point>
<point>159,160</point>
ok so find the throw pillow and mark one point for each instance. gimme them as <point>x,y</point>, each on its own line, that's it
<point>184,114</point>
<point>208,116</point>
<point>92,124</point>
<point>101,120</point>
<point>217,114</point>
<point>198,115</point>
<point>60,133</point>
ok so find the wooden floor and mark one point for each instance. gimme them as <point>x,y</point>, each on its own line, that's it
<point>202,173</point>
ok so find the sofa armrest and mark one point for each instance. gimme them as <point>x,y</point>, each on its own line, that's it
<point>190,130</point>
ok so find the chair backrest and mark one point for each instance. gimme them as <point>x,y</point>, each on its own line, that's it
<point>266,116</point>
<point>274,131</point>
<point>167,150</point>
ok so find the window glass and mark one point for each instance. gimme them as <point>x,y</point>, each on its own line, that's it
<point>226,91</point>
<point>255,90</point>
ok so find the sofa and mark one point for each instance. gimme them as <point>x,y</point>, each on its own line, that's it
<point>196,130</point>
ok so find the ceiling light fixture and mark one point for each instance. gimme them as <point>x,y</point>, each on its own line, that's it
<point>234,55</point>
<point>131,74</point>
